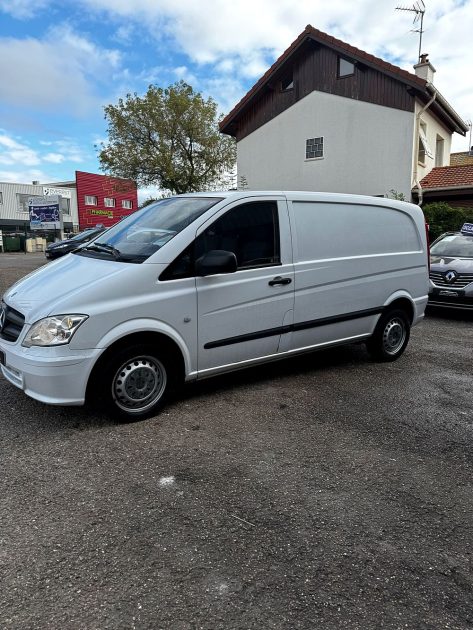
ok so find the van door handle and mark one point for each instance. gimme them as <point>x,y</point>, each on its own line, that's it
<point>279,280</point>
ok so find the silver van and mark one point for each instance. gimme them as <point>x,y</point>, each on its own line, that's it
<point>197,285</point>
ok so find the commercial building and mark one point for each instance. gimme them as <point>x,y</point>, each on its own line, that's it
<point>87,200</point>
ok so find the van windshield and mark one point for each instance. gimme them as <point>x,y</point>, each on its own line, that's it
<point>141,234</point>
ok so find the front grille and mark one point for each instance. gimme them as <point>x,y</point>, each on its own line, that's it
<point>13,324</point>
<point>460,282</point>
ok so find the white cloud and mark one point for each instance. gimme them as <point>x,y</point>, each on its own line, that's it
<point>54,158</point>
<point>25,176</point>
<point>60,71</point>
<point>20,157</point>
<point>23,9</point>
<point>14,152</point>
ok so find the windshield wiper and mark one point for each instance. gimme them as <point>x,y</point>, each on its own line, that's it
<point>104,247</point>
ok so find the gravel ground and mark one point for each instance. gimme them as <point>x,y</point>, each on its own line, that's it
<point>323,492</point>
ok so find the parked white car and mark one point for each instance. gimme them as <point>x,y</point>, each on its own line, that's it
<point>197,285</point>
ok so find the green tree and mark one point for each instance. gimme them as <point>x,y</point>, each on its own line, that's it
<point>168,138</point>
<point>397,195</point>
<point>441,218</point>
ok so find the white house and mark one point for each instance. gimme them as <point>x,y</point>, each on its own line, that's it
<point>327,116</point>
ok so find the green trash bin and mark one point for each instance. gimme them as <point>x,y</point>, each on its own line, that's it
<point>11,243</point>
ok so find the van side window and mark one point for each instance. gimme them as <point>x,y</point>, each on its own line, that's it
<point>250,231</point>
<point>181,267</point>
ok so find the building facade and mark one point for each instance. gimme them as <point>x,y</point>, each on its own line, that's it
<point>104,199</point>
<point>14,197</point>
<point>330,117</point>
<point>86,201</point>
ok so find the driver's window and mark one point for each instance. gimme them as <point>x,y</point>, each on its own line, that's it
<point>250,231</point>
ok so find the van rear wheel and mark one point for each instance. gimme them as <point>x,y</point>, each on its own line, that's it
<point>390,337</point>
<point>136,382</point>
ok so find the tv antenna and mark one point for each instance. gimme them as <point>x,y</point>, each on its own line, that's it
<point>419,9</point>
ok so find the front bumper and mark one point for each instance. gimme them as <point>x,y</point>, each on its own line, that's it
<point>56,376</point>
<point>451,297</point>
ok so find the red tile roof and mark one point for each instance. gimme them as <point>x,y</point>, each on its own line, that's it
<point>312,33</point>
<point>449,176</point>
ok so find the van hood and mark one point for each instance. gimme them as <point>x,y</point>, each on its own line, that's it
<point>37,294</point>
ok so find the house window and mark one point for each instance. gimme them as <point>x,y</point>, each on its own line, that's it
<point>287,83</point>
<point>439,148</point>
<point>345,68</point>
<point>423,148</point>
<point>314,148</point>
<point>127,204</point>
<point>90,200</point>
<point>109,202</point>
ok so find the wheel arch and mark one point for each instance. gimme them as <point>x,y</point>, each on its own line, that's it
<point>154,339</point>
<point>404,302</point>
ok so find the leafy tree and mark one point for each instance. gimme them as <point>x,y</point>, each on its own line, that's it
<point>397,195</point>
<point>441,218</point>
<point>168,138</point>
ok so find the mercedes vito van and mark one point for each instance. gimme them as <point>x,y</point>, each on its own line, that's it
<point>200,284</point>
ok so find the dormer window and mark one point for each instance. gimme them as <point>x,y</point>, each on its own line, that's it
<point>287,83</point>
<point>345,68</point>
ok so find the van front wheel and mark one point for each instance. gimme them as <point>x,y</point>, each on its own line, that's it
<point>390,337</point>
<point>137,382</point>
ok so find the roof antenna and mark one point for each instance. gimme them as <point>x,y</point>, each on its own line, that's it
<point>470,152</point>
<point>419,9</point>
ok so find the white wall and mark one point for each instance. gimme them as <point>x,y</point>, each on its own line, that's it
<point>367,148</point>
<point>433,129</point>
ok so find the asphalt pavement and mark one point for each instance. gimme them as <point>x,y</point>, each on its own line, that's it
<point>323,492</point>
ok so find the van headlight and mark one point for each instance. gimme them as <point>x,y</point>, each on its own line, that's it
<point>53,331</point>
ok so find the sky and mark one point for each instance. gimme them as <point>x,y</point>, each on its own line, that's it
<point>62,61</point>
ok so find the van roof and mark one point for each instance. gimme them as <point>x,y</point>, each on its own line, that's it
<point>305,194</point>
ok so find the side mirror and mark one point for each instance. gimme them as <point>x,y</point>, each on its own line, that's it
<point>216,261</point>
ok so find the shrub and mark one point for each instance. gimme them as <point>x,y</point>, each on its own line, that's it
<point>441,218</point>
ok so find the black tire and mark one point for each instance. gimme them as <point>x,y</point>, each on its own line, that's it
<point>391,336</point>
<point>136,382</point>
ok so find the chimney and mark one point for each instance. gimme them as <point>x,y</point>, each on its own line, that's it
<point>35,182</point>
<point>424,69</point>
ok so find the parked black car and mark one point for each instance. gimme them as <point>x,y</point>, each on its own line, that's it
<point>54,250</point>
<point>451,269</point>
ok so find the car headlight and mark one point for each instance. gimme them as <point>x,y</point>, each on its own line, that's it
<point>53,331</point>
<point>62,246</point>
